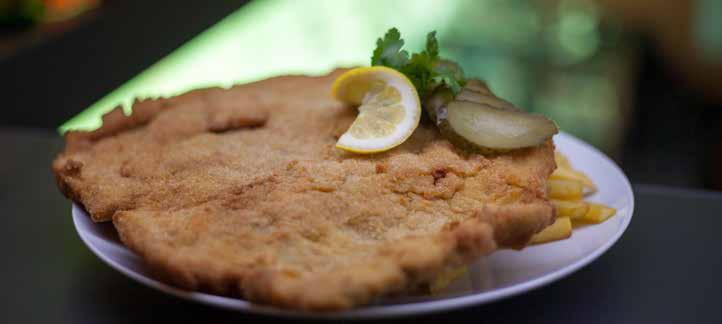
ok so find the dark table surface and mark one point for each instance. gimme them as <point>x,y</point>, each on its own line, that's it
<point>665,269</point>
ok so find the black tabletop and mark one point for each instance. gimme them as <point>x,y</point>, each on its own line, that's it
<point>665,269</point>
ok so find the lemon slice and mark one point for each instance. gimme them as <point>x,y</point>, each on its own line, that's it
<point>388,105</point>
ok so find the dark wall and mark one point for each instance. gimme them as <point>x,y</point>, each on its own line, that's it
<point>675,134</point>
<point>46,84</point>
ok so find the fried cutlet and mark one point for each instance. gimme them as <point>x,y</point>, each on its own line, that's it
<point>241,192</point>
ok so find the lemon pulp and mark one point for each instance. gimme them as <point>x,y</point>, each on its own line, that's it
<point>389,108</point>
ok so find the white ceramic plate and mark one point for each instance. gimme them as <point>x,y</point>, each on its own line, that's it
<point>505,273</point>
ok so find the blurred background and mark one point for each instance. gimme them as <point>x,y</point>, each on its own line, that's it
<point>639,79</point>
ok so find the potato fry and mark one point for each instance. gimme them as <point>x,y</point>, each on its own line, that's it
<point>561,229</point>
<point>598,213</point>
<point>566,186</point>
<point>446,278</point>
<point>565,173</point>
<point>565,189</point>
<point>573,209</point>
<point>561,160</point>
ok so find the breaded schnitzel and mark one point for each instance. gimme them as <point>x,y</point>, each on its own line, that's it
<point>241,192</point>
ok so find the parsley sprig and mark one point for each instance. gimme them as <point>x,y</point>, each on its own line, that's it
<point>426,69</point>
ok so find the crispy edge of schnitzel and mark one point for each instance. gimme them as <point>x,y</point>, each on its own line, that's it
<point>115,122</point>
<point>396,268</point>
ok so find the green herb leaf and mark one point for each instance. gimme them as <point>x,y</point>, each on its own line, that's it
<point>418,70</point>
<point>432,45</point>
<point>425,69</point>
<point>449,73</point>
<point>388,51</point>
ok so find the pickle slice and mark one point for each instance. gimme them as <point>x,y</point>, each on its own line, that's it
<point>484,99</point>
<point>477,86</point>
<point>493,128</point>
<point>477,91</point>
<point>477,121</point>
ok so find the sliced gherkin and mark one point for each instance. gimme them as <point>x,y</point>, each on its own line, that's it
<point>477,86</point>
<point>484,99</point>
<point>435,105</point>
<point>495,128</point>
<point>477,121</point>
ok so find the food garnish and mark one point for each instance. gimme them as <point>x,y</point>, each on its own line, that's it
<point>389,108</point>
<point>466,112</point>
<point>426,69</point>
<point>476,120</point>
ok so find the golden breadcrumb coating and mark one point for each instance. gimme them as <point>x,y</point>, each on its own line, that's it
<point>241,192</point>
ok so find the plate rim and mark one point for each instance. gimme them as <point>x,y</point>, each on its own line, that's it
<point>381,311</point>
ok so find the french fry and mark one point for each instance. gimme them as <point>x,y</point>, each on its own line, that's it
<point>597,213</point>
<point>446,278</point>
<point>566,186</point>
<point>561,229</point>
<point>561,160</point>
<point>566,173</point>
<point>565,189</point>
<point>573,209</point>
